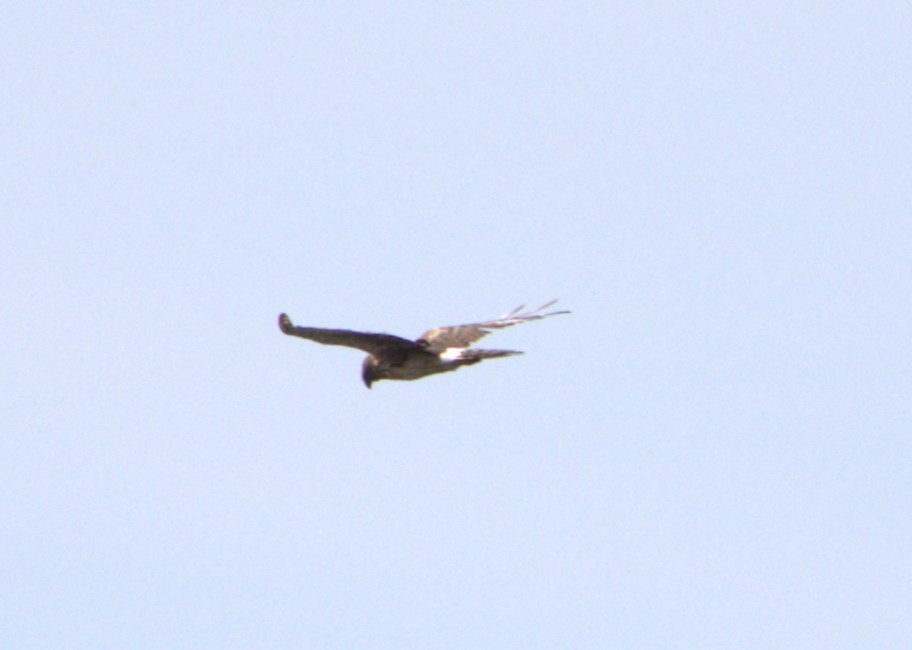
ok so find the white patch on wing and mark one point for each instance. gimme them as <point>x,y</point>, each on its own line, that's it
<point>451,354</point>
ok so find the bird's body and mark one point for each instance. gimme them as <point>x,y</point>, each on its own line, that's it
<point>442,349</point>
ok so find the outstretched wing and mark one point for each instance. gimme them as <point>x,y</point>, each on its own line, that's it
<point>376,344</point>
<point>462,336</point>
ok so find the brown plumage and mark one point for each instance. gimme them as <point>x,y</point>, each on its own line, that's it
<point>442,349</point>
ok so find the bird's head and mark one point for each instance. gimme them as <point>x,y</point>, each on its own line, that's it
<point>370,371</point>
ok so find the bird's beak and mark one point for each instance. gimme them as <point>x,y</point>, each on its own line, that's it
<point>368,372</point>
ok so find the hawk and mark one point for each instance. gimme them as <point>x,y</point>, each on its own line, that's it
<point>442,349</point>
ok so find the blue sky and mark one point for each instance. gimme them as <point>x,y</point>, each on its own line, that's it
<point>712,451</point>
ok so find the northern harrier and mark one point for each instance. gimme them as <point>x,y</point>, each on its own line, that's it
<point>442,349</point>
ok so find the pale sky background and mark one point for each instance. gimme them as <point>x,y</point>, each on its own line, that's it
<point>713,451</point>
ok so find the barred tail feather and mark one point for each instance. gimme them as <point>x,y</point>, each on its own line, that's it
<point>478,355</point>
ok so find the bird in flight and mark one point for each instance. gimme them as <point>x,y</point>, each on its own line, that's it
<point>442,349</point>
